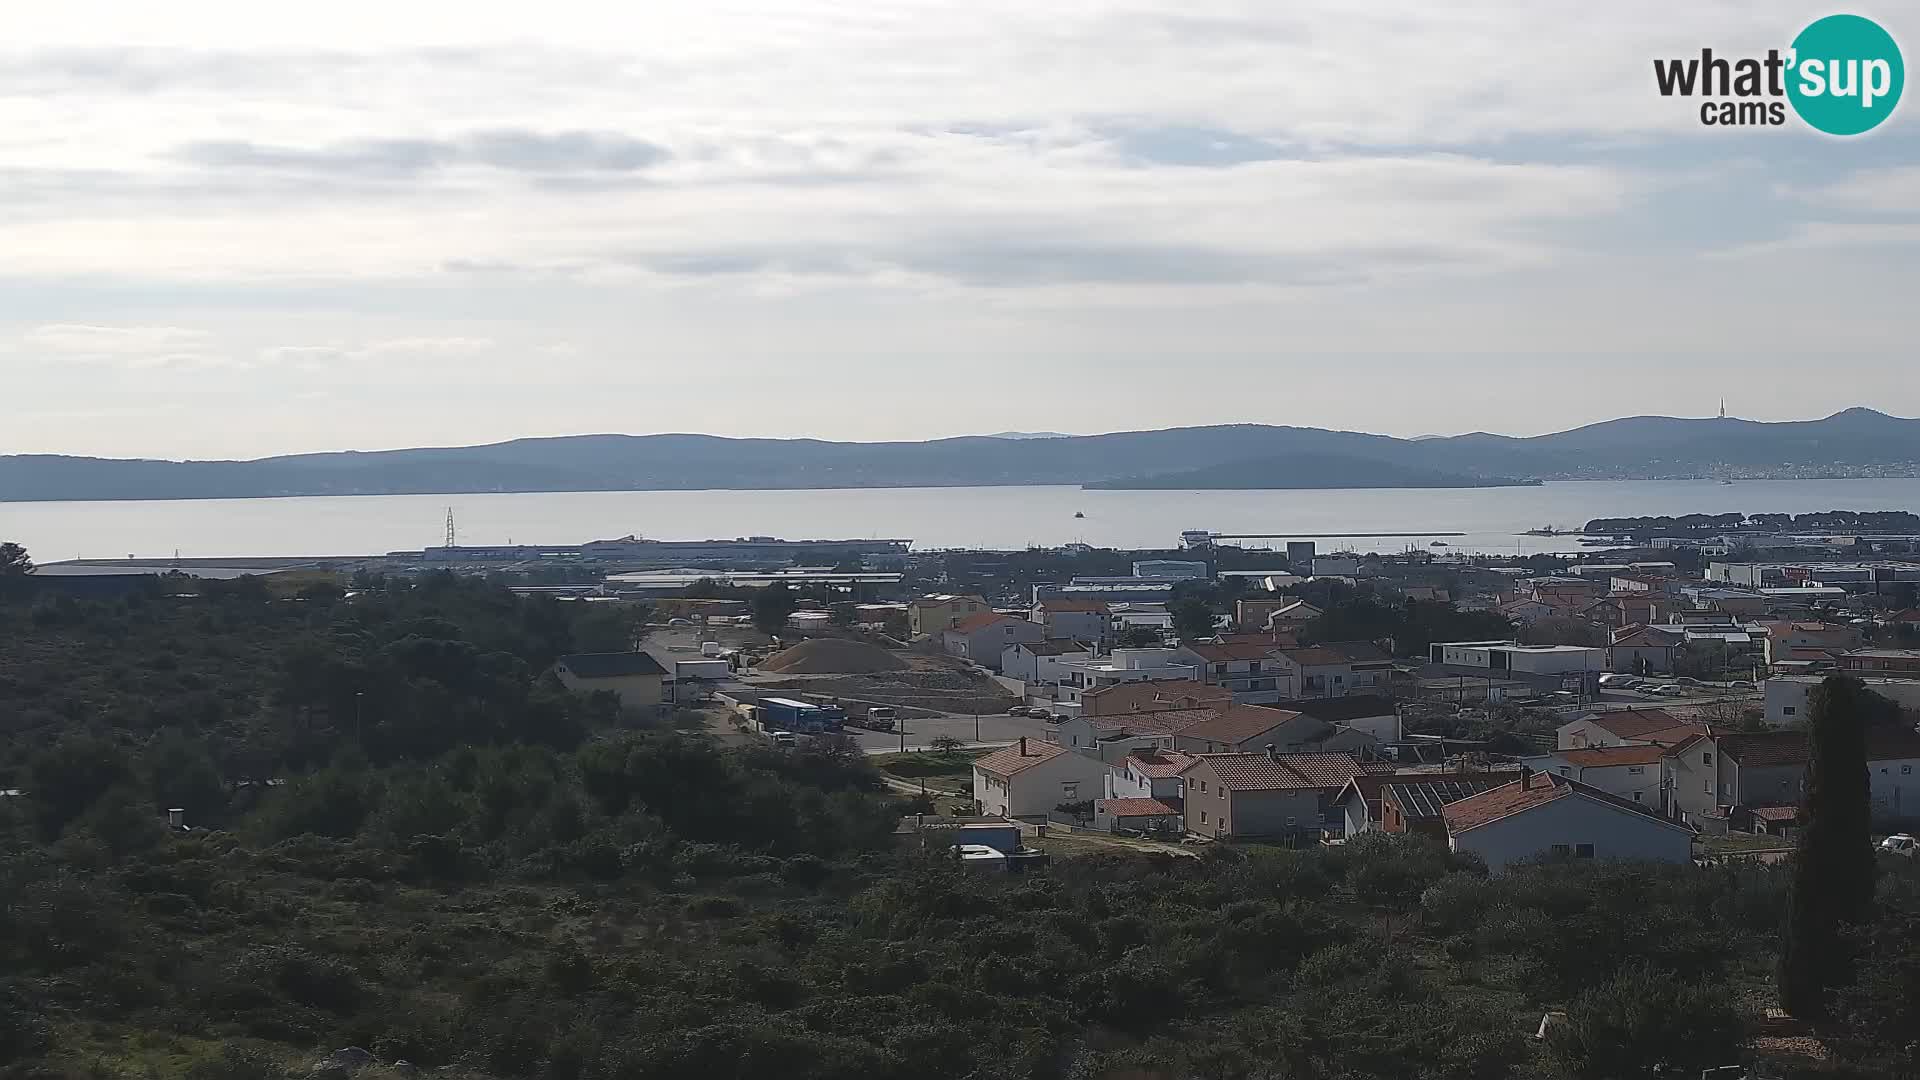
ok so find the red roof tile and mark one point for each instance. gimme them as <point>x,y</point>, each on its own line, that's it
<point>1158,764</point>
<point>1317,657</point>
<point>1133,807</point>
<point>1765,749</point>
<point>1634,723</point>
<point>1605,756</point>
<point>1159,722</point>
<point>1153,696</point>
<point>1009,760</point>
<point>1241,722</point>
<point>1282,772</point>
<point>1235,650</point>
<point>1537,789</point>
<point>979,622</point>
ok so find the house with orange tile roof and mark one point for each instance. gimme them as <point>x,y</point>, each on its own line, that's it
<point>1544,815</point>
<point>1242,795</point>
<point>1632,772</point>
<point>1151,816</point>
<point>983,638</point>
<point>1030,778</point>
<point>1625,727</point>
<point>1152,773</point>
<point>1158,695</point>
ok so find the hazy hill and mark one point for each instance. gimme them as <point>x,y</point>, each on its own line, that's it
<point>1306,471</point>
<point>1632,447</point>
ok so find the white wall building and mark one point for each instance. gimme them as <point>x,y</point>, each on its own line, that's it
<point>1554,816</point>
<point>1030,778</point>
<point>1786,695</point>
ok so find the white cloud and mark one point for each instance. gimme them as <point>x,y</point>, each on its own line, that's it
<point>1103,189</point>
<point>111,340</point>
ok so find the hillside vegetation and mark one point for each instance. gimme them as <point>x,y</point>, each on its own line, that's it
<point>460,865</point>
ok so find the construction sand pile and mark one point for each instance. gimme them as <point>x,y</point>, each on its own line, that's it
<point>832,656</point>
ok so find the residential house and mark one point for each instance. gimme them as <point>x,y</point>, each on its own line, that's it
<point>1787,695</point>
<point>1153,696</point>
<point>1293,614</point>
<point>1079,677</point>
<point>1251,728</point>
<point>1337,669</point>
<point>1414,804</point>
<point>1111,738</point>
<point>1638,583</point>
<point>1148,774</point>
<point>1710,774</point>
<point>1242,795</point>
<point>1543,814</point>
<point>1038,662</point>
<point>637,679</point>
<point>1371,714</point>
<point>1151,816</point>
<point>1621,610</point>
<point>1427,593</point>
<point>1253,671</point>
<point>1893,771</point>
<point>932,615</point>
<point>1030,778</point>
<point>1626,727</point>
<point>984,638</point>
<point>1255,615</point>
<point>1644,650</point>
<point>1899,663</point>
<point>1792,640</point>
<point>1526,611</point>
<point>1633,773</point>
<point>1358,805</point>
<point>1078,620</point>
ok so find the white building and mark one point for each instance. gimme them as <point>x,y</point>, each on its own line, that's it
<point>1786,695</point>
<point>1037,663</point>
<point>1030,778</point>
<point>1631,772</point>
<point>1525,659</point>
<point>1171,569</point>
<point>1120,666</point>
<point>1551,815</point>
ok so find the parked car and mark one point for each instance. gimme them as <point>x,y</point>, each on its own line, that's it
<point>1017,710</point>
<point>1686,681</point>
<point>1740,684</point>
<point>1618,680</point>
<point>1669,691</point>
<point>1899,844</point>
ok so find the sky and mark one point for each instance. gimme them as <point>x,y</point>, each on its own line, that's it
<point>229,230</point>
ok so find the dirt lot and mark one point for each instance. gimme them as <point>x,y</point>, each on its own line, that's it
<point>930,682</point>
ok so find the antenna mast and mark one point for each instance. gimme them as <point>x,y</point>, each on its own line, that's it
<point>450,534</point>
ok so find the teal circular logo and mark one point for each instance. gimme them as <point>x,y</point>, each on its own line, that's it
<point>1846,75</point>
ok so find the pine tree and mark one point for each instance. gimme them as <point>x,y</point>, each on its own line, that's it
<point>1834,867</point>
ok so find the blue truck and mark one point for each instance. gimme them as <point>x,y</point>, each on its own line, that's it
<point>801,717</point>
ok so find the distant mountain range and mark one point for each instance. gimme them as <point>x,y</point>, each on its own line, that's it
<point>1857,442</point>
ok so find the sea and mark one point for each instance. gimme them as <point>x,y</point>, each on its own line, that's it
<point>1489,520</point>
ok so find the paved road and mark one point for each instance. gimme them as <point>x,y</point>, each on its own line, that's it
<point>919,733</point>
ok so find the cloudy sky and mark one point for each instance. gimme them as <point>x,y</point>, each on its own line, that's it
<point>229,231</point>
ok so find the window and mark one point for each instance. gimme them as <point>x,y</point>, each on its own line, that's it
<point>1223,794</point>
<point>1070,789</point>
<point>1906,770</point>
<point>1706,759</point>
<point>1707,786</point>
<point>1583,851</point>
<point>1561,851</point>
<point>1203,817</point>
<point>1636,796</point>
<point>1566,770</point>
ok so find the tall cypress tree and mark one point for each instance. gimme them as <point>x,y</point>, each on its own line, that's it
<point>1834,865</point>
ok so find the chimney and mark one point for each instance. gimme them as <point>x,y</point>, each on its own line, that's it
<point>176,817</point>
<point>1023,746</point>
<point>1272,754</point>
<point>1526,774</point>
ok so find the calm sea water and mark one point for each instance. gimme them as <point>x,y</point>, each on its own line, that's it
<point>993,517</point>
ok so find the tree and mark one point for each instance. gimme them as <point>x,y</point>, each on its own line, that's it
<point>1192,619</point>
<point>1563,630</point>
<point>1834,869</point>
<point>944,744</point>
<point>771,606</point>
<point>1138,637</point>
<point>14,568</point>
<point>14,561</point>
